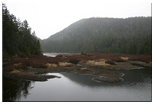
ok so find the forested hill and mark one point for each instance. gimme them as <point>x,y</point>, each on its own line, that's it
<point>103,35</point>
<point>18,41</point>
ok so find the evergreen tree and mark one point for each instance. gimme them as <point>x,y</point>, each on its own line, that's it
<point>103,35</point>
<point>17,37</point>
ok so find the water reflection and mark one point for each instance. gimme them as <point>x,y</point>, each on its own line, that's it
<point>77,87</point>
<point>50,55</point>
<point>14,89</point>
<point>130,77</point>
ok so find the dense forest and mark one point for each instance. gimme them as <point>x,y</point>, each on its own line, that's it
<point>103,35</point>
<point>18,40</point>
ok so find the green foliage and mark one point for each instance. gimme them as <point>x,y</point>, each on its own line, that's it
<point>104,35</point>
<point>17,37</point>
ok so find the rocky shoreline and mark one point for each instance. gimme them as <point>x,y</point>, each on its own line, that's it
<point>105,66</point>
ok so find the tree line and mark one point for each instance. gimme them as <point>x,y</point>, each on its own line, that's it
<point>18,40</point>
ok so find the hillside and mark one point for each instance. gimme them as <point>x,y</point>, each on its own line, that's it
<point>103,35</point>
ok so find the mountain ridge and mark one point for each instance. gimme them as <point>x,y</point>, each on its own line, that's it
<point>88,31</point>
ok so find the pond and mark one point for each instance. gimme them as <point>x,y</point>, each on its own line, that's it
<point>74,86</point>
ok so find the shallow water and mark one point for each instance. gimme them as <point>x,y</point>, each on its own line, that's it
<point>55,54</point>
<point>79,87</point>
<point>50,54</point>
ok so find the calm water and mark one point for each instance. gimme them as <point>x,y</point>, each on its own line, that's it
<point>50,54</point>
<point>55,54</point>
<point>78,87</point>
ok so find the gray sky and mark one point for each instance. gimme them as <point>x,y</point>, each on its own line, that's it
<point>46,17</point>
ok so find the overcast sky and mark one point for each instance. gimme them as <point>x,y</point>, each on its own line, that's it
<point>46,17</point>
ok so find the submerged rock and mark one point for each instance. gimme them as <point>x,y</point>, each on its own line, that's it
<point>111,79</point>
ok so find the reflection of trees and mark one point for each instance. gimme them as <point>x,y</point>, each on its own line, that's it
<point>14,89</point>
<point>131,77</point>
